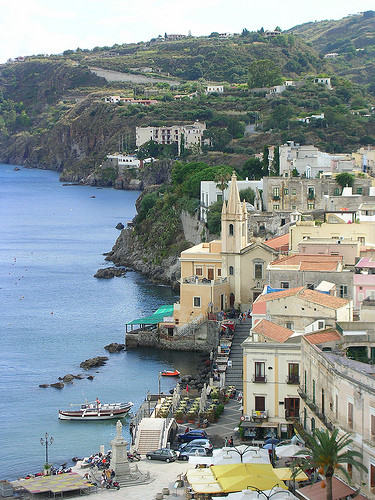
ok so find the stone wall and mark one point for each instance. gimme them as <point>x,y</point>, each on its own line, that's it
<point>200,338</point>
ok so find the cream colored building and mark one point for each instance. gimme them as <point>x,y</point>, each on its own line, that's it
<point>223,274</point>
<point>337,392</point>
<point>364,232</point>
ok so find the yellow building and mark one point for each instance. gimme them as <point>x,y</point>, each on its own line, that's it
<point>223,274</point>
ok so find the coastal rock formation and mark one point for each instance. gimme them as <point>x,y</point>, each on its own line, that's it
<point>93,362</point>
<point>114,347</point>
<point>44,385</point>
<point>68,378</point>
<point>128,251</point>
<point>110,272</point>
<point>120,226</point>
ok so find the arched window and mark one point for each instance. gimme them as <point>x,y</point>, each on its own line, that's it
<point>231,229</point>
<point>231,270</point>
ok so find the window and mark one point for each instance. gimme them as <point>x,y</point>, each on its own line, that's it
<point>337,406</point>
<point>305,383</point>
<point>260,403</point>
<point>260,375</point>
<point>372,426</point>
<point>196,301</point>
<point>350,415</point>
<point>219,197</point>
<point>312,424</point>
<point>276,193</point>
<point>372,475</point>
<point>210,274</point>
<point>362,240</point>
<point>219,272</point>
<point>294,191</point>
<point>313,396</point>
<point>276,207</point>
<point>293,373</point>
<point>320,325</point>
<point>231,230</point>
<point>286,191</point>
<point>284,284</point>
<point>310,286</point>
<point>359,190</point>
<point>289,325</point>
<point>343,291</point>
<point>231,270</point>
<point>350,469</point>
<point>294,207</point>
<point>199,271</point>
<point>336,192</point>
<point>255,295</point>
<point>310,206</point>
<point>258,270</point>
<point>310,193</point>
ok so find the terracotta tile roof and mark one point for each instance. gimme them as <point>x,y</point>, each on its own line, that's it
<point>327,335</point>
<point>339,490</point>
<point>323,299</point>
<point>278,243</point>
<point>278,295</point>
<point>272,331</point>
<point>307,262</point>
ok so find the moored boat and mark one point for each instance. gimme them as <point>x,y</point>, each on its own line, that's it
<point>168,373</point>
<point>96,411</point>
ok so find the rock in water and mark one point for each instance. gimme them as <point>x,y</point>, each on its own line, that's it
<point>114,347</point>
<point>120,226</point>
<point>68,378</point>
<point>58,385</point>
<point>110,272</point>
<point>44,385</point>
<point>93,362</point>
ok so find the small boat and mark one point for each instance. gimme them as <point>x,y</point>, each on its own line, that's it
<point>96,411</point>
<point>167,373</point>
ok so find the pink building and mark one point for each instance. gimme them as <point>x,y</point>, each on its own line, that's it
<point>364,281</point>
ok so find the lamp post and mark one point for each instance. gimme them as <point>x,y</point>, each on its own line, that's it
<point>254,488</point>
<point>46,441</point>
<point>159,383</point>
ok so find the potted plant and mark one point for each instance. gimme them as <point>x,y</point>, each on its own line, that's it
<point>179,416</point>
<point>47,469</point>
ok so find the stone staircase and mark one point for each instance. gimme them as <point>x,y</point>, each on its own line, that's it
<point>234,373</point>
<point>149,435</point>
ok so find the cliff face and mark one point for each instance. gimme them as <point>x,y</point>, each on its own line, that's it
<point>129,251</point>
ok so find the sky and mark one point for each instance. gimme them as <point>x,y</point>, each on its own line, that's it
<point>30,27</point>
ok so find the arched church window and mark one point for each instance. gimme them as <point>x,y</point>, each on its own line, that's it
<point>231,270</point>
<point>231,229</point>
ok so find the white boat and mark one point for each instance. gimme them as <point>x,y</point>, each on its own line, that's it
<point>96,411</point>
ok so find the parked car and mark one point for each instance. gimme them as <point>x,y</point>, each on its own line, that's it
<point>189,436</point>
<point>164,454</point>
<point>194,451</point>
<point>204,443</point>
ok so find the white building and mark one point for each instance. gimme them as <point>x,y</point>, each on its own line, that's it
<point>211,193</point>
<point>214,88</point>
<point>310,162</point>
<point>324,81</point>
<point>191,135</point>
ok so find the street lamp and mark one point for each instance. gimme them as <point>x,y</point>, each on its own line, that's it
<point>159,383</point>
<point>46,441</point>
<point>261,492</point>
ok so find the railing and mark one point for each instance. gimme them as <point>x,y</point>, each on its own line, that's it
<point>301,393</point>
<point>189,328</point>
<point>276,197</point>
<point>194,280</point>
<point>258,378</point>
<point>292,379</point>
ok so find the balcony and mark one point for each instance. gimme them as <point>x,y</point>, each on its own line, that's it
<point>259,379</point>
<point>276,197</point>
<point>194,280</point>
<point>302,393</point>
<point>292,379</point>
<point>259,415</point>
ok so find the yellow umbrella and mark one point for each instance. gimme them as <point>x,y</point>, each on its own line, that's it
<point>238,477</point>
<point>286,474</point>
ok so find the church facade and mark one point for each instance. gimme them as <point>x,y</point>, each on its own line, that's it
<point>223,274</point>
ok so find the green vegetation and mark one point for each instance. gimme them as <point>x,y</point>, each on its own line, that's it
<point>345,179</point>
<point>328,454</point>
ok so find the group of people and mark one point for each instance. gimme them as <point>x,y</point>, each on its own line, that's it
<point>107,477</point>
<point>228,442</point>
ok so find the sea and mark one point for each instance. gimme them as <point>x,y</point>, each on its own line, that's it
<point>55,314</point>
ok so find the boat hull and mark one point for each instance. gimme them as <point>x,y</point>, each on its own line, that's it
<point>176,373</point>
<point>105,412</point>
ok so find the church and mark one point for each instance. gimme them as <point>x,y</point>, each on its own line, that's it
<point>223,274</point>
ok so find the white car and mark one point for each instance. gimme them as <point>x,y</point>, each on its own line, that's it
<point>204,443</point>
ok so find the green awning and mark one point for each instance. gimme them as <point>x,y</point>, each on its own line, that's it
<point>155,318</point>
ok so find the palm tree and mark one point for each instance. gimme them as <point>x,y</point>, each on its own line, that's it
<point>327,454</point>
<point>222,178</point>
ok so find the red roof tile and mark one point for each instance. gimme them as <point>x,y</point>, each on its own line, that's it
<point>323,336</point>
<point>308,262</point>
<point>272,331</point>
<point>279,243</point>
<point>323,299</point>
<point>339,490</point>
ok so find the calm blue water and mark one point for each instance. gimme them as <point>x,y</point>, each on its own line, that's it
<point>54,315</point>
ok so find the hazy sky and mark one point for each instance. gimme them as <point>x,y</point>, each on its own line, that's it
<point>52,26</point>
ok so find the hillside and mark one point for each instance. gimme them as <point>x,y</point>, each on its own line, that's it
<point>352,38</point>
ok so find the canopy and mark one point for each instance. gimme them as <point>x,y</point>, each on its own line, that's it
<point>286,474</point>
<point>155,318</point>
<point>230,456</point>
<point>241,476</point>
<point>290,450</point>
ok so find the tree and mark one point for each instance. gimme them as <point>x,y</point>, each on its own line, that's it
<point>265,161</point>
<point>345,179</point>
<point>248,195</point>
<point>326,456</point>
<point>252,168</point>
<point>222,178</point>
<point>264,73</point>
<point>275,166</point>
<point>214,217</point>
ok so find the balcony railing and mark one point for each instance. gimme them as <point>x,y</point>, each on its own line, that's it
<point>276,197</point>
<point>301,393</point>
<point>259,415</point>
<point>292,379</point>
<point>194,280</point>
<point>258,378</point>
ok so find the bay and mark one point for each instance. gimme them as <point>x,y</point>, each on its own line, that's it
<point>54,315</point>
